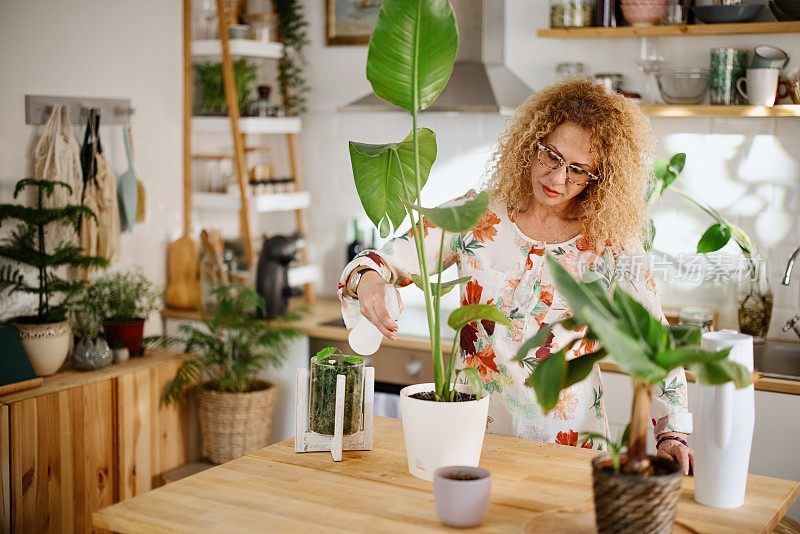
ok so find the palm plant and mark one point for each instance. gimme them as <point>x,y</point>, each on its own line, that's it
<point>231,347</point>
<point>640,344</point>
<point>410,60</point>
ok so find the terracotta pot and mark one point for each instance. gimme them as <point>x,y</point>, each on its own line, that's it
<point>629,503</point>
<point>128,333</point>
<point>234,424</point>
<point>46,345</point>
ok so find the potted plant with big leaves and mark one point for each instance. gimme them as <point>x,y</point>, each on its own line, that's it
<point>124,300</point>
<point>637,492</point>
<point>228,352</point>
<point>754,299</point>
<point>46,335</point>
<point>410,60</point>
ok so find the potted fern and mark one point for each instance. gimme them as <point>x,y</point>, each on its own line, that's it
<point>227,354</point>
<point>46,335</point>
<point>634,492</point>
<point>410,60</point>
<point>123,300</point>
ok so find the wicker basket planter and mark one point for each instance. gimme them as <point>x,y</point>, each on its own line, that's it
<point>234,424</point>
<point>628,503</point>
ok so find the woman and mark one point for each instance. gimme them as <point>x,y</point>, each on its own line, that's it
<point>570,180</point>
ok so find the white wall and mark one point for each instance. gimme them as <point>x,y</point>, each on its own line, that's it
<point>747,168</point>
<point>105,49</point>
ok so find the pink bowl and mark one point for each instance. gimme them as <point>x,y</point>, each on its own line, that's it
<point>643,14</point>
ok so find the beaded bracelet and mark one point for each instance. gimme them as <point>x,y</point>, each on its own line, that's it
<point>668,438</point>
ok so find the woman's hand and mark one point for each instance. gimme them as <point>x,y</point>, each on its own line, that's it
<point>371,292</point>
<point>675,450</point>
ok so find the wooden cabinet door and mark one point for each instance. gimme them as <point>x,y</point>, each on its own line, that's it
<point>62,458</point>
<point>151,438</point>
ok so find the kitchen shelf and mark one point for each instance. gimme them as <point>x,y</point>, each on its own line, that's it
<point>740,28</point>
<point>248,125</point>
<point>239,48</point>
<point>721,111</point>
<point>227,155</point>
<point>269,202</point>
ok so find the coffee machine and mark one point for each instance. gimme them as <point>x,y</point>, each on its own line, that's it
<point>272,273</point>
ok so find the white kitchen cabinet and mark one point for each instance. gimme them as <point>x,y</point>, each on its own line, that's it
<point>775,450</point>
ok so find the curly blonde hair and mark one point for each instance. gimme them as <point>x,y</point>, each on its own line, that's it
<point>613,211</point>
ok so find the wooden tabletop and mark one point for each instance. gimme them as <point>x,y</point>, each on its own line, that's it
<point>278,490</point>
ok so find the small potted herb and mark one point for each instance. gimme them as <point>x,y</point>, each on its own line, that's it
<point>91,351</point>
<point>212,89</point>
<point>325,367</point>
<point>124,300</point>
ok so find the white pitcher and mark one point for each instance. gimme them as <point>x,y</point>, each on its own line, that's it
<point>723,435</point>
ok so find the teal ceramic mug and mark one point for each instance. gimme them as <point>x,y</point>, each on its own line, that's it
<point>768,57</point>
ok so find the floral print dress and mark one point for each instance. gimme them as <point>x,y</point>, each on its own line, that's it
<point>507,270</point>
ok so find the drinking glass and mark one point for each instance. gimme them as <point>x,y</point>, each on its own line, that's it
<point>651,56</point>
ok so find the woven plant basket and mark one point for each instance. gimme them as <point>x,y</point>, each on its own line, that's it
<point>626,503</point>
<point>234,424</point>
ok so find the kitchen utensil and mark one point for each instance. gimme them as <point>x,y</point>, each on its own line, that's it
<point>571,13</point>
<point>183,285</point>
<point>765,56</point>
<point>794,90</point>
<point>127,194</point>
<point>683,85</point>
<point>727,14</point>
<point>727,66</point>
<point>761,86</point>
<point>724,429</point>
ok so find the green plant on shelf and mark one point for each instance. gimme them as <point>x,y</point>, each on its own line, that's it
<point>123,296</point>
<point>212,88</point>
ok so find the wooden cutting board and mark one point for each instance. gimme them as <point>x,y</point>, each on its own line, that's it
<point>183,283</point>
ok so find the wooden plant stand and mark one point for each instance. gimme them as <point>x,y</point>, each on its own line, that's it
<point>307,441</point>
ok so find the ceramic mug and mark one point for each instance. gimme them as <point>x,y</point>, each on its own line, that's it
<point>768,57</point>
<point>727,66</point>
<point>762,85</point>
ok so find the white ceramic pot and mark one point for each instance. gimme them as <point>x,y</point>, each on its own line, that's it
<point>439,434</point>
<point>46,345</point>
<point>723,435</point>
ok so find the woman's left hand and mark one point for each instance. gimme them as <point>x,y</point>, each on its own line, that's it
<point>675,450</point>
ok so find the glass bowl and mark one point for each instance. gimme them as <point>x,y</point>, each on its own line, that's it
<point>683,85</point>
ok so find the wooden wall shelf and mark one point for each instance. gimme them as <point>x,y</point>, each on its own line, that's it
<point>676,30</point>
<point>721,111</point>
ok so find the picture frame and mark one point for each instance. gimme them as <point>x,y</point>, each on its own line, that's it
<point>350,22</point>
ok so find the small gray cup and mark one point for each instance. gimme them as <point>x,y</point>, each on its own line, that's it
<point>462,495</point>
<point>768,57</point>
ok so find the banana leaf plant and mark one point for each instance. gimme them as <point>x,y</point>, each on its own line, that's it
<point>410,60</point>
<point>639,343</point>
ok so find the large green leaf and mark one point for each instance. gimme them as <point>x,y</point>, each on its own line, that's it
<point>384,177</point>
<point>457,216</point>
<point>549,379</point>
<point>716,237</point>
<point>682,356</point>
<point>461,317</point>
<point>446,286</point>
<point>581,296</point>
<point>580,367</point>
<point>629,352</point>
<point>720,372</point>
<point>412,51</point>
<point>684,335</point>
<point>677,162</point>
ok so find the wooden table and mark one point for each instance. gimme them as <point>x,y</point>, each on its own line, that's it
<point>274,489</point>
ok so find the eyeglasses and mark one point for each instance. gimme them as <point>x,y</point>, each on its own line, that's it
<point>575,175</point>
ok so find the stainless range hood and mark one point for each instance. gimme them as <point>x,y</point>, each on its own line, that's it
<point>481,83</point>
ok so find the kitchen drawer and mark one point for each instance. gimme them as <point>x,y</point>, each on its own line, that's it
<point>392,366</point>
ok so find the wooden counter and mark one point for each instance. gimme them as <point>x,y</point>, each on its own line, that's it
<point>326,310</point>
<point>276,489</point>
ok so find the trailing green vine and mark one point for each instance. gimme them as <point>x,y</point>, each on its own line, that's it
<point>292,26</point>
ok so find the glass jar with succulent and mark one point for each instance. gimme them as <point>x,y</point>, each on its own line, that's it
<point>645,349</point>
<point>754,296</point>
<point>124,300</point>
<point>227,353</point>
<point>410,60</point>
